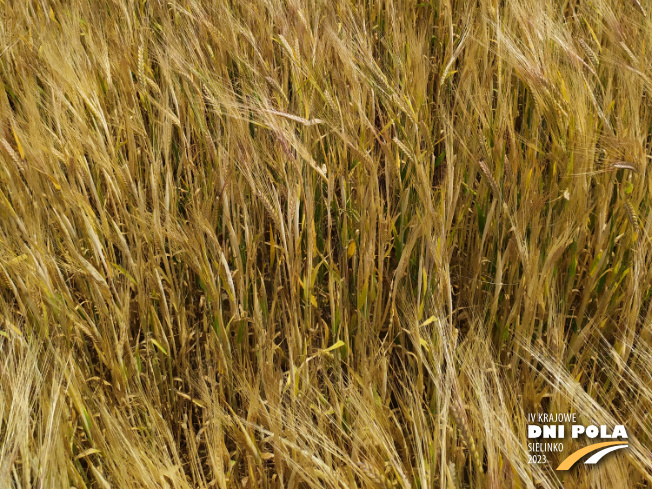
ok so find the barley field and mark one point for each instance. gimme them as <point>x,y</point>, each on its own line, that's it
<point>322,244</point>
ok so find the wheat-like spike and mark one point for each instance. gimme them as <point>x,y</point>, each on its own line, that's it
<point>5,278</point>
<point>460,419</point>
<point>633,216</point>
<point>452,482</point>
<point>624,165</point>
<point>589,52</point>
<point>141,64</point>
<point>640,8</point>
<point>490,177</point>
<point>152,84</point>
<point>375,475</point>
<point>13,154</point>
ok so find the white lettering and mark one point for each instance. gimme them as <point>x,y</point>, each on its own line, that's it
<point>577,430</point>
<point>550,431</point>
<point>533,431</point>
<point>619,431</point>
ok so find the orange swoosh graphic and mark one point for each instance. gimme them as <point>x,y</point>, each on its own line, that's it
<point>575,456</point>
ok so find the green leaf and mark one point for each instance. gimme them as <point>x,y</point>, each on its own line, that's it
<point>159,346</point>
<point>334,346</point>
